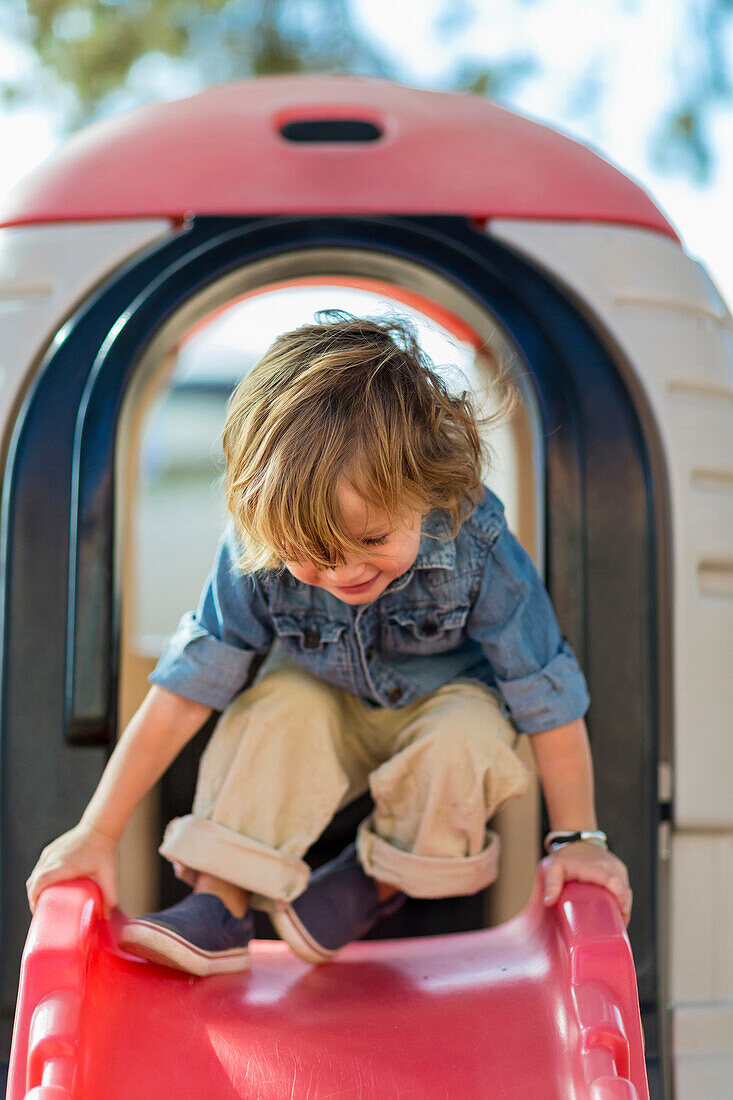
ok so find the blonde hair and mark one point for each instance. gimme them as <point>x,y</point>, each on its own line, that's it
<point>354,398</point>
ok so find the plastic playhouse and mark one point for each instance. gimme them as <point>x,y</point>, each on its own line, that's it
<point>138,238</point>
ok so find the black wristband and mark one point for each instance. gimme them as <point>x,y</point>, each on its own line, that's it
<point>558,839</point>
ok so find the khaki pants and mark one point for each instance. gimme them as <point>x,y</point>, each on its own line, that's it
<point>292,750</point>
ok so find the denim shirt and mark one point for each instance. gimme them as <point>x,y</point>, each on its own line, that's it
<point>472,608</point>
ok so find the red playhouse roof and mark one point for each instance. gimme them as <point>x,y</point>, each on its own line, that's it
<point>222,152</point>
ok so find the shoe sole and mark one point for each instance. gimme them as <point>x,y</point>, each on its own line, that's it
<point>162,945</point>
<point>294,933</point>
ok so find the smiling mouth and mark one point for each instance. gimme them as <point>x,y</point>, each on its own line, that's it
<point>357,587</point>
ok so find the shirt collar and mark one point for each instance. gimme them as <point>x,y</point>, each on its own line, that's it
<point>436,552</point>
<point>432,553</point>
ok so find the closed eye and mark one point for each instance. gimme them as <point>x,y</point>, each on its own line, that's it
<point>378,541</point>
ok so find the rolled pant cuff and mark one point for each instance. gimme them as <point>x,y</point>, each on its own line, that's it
<point>194,844</point>
<point>427,876</point>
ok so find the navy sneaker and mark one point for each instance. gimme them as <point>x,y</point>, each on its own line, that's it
<point>198,935</point>
<point>340,904</point>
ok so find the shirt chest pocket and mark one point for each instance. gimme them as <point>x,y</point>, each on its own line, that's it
<point>423,630</point>
<point>307,637</point>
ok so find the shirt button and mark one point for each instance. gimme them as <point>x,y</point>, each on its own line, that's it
<point>394,694</point>
<point>430,628</point>
<point>311,639</point>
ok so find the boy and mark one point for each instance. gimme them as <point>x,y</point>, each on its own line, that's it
<point>416,640</point>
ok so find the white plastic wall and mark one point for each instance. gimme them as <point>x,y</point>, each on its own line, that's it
<point>667,318</point>
<point>45,271</point>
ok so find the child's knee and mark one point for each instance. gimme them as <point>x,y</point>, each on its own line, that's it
<point>465,762</point>
<point>291,696</point>
<point>464,705</point>
<point>295,689</point>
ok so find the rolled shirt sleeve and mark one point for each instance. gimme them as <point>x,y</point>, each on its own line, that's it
<point>209,657</point>
<point>535,670</point>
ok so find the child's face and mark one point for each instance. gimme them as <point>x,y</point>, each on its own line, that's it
<point>389,551</point>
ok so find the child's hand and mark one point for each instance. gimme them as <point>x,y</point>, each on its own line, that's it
<point>83,852</point>
<point>583,861</point>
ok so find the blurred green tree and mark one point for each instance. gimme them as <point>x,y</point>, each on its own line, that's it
<point>112,54</point>
<point>96,46</point>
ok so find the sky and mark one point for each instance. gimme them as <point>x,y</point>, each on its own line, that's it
<point>634,49</point>
<point>630,48</point>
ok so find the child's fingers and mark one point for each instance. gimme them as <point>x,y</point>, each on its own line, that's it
<point>623,895</point>
<point>105,876</point>
<point>107,882</point>
<point>618,885</point>
<point>614,883</point>
<point>614,879</point>
<point>554,882</point>
<point>38,882</point>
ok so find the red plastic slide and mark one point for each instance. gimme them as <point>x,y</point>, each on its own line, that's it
<point>542,1007</point>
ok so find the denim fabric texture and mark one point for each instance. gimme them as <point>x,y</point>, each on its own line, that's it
<point>471,607</point>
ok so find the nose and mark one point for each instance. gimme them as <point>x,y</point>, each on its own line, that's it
<point>347,573</point>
